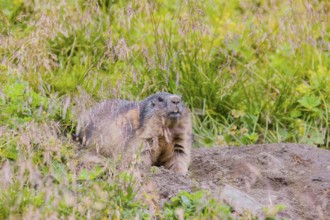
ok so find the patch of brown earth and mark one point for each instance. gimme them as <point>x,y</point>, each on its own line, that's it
<point>295,175</point>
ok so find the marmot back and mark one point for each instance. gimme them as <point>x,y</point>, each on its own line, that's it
<point>160,126</point>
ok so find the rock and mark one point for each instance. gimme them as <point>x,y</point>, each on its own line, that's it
<point>240,201</point>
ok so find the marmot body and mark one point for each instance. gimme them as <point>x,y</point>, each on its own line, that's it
<point>160,126</point>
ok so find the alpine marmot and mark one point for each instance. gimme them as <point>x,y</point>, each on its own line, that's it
<point>159,126</point>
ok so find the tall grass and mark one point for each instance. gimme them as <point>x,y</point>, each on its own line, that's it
<point>267,61</point>
<point>251,72</point>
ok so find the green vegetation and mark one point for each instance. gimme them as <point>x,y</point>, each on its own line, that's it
<point>196,205</point>
<point>251,72</point>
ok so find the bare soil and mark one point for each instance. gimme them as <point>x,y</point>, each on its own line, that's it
<point>295,175</point>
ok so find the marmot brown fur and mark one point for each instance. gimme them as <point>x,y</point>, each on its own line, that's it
<point>160,126</point>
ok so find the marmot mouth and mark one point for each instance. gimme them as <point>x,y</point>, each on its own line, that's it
<point>174,115</point>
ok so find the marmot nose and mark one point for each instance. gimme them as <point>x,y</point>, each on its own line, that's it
<point>175,99</point>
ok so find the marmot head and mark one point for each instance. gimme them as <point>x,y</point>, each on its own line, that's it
<point>166,105</point>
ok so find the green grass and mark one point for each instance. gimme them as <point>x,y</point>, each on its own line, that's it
<point>252,72</point>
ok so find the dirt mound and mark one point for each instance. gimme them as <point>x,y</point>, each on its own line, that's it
<point>295,175</point>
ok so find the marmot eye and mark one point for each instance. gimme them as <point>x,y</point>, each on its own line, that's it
<point>160,99</point>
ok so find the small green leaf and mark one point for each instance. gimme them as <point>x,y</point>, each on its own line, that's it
<point>313,137</point>
<point>309,102</point>
<point>295,113</point>
<point>185,201</point>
